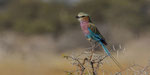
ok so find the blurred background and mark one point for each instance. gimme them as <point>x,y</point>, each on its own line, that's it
<point>34,33</point>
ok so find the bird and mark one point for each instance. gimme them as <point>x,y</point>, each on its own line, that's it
<point>92,33</point>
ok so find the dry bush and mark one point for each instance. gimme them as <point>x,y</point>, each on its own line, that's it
<point>90,62</point>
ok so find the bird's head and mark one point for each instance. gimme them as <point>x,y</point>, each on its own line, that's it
<point>83,17</point>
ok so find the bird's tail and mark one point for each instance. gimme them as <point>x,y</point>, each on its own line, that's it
<point>108,53</point>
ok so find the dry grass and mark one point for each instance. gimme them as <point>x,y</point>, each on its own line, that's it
<point>47,63</point>
<point>18,66</point>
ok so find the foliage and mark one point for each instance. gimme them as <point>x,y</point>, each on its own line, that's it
<point>38,16</point>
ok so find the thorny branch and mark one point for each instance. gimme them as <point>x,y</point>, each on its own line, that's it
<point>91,62</point>
<point>88,63</point>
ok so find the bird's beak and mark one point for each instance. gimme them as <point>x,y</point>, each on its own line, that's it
<point>77,17</point>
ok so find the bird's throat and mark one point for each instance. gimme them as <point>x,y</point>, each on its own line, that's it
<point>84,26</point>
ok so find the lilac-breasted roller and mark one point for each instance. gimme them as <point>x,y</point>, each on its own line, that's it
<point>92,33</point>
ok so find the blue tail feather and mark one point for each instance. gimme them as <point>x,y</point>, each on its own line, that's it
<point>108,53</point>
<point>105,49</point>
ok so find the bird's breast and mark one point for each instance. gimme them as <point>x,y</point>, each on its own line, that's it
<point>84,28</point>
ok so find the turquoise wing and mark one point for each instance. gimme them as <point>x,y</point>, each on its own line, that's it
<point>94,29</point>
